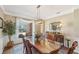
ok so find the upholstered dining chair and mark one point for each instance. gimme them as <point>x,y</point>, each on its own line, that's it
<point>24,45</point>
<point>28,47</point>
<point>50,37</point>
<point>72,48</point>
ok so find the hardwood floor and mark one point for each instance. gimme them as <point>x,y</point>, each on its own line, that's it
<point>18,49</point>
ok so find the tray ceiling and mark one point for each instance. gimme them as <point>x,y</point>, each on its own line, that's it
<point>46,11</point>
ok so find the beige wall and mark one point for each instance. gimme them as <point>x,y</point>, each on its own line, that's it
<point>70,26</point>
<point>1,13</point>
<point>2,16</point>
<point>1,40</point>
<point>65,20</point>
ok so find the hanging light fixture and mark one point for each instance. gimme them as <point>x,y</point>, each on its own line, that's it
<point>38,12</point>
<point>39,20</point>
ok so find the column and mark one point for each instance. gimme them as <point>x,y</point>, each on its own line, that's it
<point>33,32</point>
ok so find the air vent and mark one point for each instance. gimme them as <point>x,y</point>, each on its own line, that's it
<point>58,12</point>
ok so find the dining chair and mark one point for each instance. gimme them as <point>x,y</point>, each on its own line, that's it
<point>28,47</point>
<point>50,37</point>
<point>24,45</point>
<point>72,48</point>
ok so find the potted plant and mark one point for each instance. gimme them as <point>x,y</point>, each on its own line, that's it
<point>9,29</point>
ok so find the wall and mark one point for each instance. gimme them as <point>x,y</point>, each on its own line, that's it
<point>70,26</point>
<point>2,16</point>
<point>1,40</point>
<point>76,20</point>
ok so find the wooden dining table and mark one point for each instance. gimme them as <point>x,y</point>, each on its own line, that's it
<point>45,47</point>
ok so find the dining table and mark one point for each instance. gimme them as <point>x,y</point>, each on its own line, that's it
<point>45,46</point>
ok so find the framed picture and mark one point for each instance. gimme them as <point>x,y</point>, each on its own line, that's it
<point>1,22</point>
<point>55,26</point>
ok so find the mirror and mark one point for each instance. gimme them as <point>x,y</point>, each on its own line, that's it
<point>55,26</point>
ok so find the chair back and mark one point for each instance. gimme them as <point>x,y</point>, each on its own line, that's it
<point>74,45</point>
<point>71,50</point>
<point>50,37</point>
<point>21,36</point>
<point>24,42</point>
<point>28,47</point>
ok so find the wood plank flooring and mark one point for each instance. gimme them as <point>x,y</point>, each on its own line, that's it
<point>18,49</point>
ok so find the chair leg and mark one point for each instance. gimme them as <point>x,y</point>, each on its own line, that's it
<point>23,49</point>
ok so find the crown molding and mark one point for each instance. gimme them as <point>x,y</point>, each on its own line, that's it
<point>3,9</point>
<point>19,16</point>
<point>62,13</point>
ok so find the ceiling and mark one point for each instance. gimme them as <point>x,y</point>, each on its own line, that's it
<point>30,11</point>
